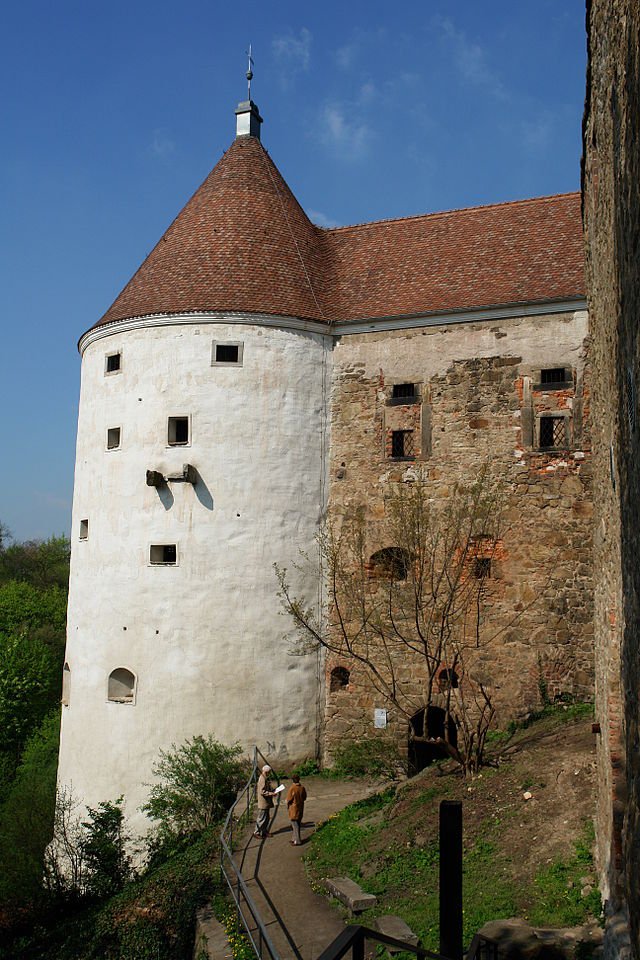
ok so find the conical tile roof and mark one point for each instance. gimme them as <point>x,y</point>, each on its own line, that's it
<point>244,244</point>
<point>241,243</point>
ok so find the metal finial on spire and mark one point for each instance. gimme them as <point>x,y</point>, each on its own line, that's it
<point>249,74</point>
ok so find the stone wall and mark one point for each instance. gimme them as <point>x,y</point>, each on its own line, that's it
<point>478,400</point>
<point>611,190</point>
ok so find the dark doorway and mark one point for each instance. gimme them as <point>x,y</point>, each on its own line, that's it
<point>421,754</point>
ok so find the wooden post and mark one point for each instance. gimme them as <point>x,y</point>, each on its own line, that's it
<point>451,879</point>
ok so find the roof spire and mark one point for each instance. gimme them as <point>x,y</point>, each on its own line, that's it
<point>248,117</point>
<point>249,75</point>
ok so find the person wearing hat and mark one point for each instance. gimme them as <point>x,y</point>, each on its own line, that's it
<point>265,796</point>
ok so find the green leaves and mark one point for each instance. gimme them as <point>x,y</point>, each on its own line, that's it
<point>198,782</point>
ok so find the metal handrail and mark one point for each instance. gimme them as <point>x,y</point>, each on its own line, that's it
<point>355,936</point>
<point>258,937</point>
<point>482,948</point>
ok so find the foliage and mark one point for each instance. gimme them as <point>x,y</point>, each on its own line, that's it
<point>241,948</point>
<point>198,781</point>
<point>374,757</point>
<point>307,768</point>
<point>33,584</point>
<point>28,686</point>
<point>151,918</point>
<point>41,563</point>
<point>26,816</point>
<point>423,609</point>
<point>105,850</point>
<point>28,609</point>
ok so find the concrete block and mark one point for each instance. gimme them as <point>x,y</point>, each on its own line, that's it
<point>395,927</point>
<point>350,893</point>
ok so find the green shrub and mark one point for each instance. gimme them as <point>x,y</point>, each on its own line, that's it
<point>26,816</point>
<point>367,758</point>
<point>104,851</point>
<point>307,768</point>
<point>198,782</point>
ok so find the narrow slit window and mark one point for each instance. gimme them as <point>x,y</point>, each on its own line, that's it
<point>113,363</point>
<point>227,354</point>
<point>163,554</point>
<point>553,432</point>
<point>84,529</point>
<point>178,432</point>
<point>66,685</point>
<point>113,438</point>
<point>122,686</point>
<point>402,446</point>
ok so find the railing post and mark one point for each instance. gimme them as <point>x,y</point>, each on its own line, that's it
<point>357,950</point>
<point>451,879</point>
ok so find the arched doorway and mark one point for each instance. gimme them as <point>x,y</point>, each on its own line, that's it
<point>421,754</point>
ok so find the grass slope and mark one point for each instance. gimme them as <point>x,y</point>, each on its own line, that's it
<point>529,858</point>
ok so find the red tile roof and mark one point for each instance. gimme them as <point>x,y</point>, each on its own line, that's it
<point>243,243</point>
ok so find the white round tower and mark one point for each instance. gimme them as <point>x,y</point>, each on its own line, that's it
<point>200,462</point>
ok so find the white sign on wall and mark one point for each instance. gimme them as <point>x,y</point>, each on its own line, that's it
<point>380,718</point>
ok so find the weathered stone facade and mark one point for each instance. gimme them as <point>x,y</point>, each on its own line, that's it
<point>611,191</point>
<point>478,399</point>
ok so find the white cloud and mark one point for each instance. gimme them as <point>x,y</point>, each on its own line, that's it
<point>346,55</point>
<point>537,134</point>
<point>162,145</point>
<point>292,53</point>
<point>344,132</point>
<point>319,218</point>
<point>470,59</point>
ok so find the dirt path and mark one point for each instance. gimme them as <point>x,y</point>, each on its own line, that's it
<point>300,923</point>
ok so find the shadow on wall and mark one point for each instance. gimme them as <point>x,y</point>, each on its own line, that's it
<point>202,492</point>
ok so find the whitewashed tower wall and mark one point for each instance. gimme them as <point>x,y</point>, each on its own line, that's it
<point>203,637</point>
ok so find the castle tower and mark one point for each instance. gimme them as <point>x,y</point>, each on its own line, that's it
<point>200,462</point>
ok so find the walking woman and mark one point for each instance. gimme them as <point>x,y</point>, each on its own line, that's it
<point>296,797</point>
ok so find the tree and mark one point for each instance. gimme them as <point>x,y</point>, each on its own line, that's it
<point>43,563</point>
<point>27,816</point>
<point>198,781</point>
<point>412,615</point>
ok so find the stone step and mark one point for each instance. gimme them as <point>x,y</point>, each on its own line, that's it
<point>350,893</point>
<point>396,928</point>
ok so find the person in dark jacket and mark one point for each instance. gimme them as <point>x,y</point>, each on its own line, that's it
<point>296,797</point>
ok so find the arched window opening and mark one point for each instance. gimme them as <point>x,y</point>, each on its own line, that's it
<point>66,685</point>
<point>390,563</point>
<point>447,679</point>
<point>428,723</point>
<point>122,685</point>
<point>339,679</point>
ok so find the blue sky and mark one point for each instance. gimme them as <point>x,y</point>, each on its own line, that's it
<point>114,113</point>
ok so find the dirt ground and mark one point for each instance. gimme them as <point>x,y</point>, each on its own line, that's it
<point>552,761</point>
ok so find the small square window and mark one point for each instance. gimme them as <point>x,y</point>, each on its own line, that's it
<point>553,432</point>
<point>113,363</point>
<point>84,529</point>
<point>403,391</point>
<point>113,438</point>
<point>163,554</point>
<point>178,431</point>
<point>402,444</point>
<point>227,353</point>
<point>482,568</point>
<point>553,375</point>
